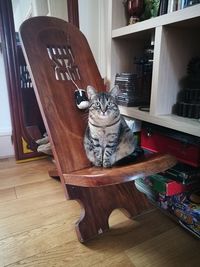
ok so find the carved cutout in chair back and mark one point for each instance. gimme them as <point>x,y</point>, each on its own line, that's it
<point>57,51</point>
<point>65,68</point>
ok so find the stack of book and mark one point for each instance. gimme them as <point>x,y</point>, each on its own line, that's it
<point>176,191</point>
<point>184,174</point>
<point>131,94</point>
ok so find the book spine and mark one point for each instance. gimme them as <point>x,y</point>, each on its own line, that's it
<point>166,186</point>
<point>183,177</point>
<point>170,6</point>
<point>182,4</point>
<point>174,188</point>
<point>174,5</point>
<point>163,7</point>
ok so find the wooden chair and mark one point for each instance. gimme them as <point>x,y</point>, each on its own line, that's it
<point>49,44</point>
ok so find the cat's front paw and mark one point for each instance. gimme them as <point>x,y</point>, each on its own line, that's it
<point>107,164</point>
<point>98,163</point>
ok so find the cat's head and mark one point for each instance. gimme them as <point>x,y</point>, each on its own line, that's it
<point>103,105</point>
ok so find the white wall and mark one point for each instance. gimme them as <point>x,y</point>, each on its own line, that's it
<point>5,122</point>
<point>24,9</point>
<point>21,9</point>
<point>93,23</point>
<point>58,9</point>
<point>6,147</point>
<point>88,20</point>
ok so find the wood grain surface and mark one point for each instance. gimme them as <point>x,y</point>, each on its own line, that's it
<point>94,177</point>
<point>41,232</point>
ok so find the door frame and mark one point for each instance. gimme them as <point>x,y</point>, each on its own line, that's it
<point>9,48</point>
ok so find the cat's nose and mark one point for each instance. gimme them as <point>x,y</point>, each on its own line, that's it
<point>104,110</point>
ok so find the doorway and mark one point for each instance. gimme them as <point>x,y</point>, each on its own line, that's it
<point>27,123</point>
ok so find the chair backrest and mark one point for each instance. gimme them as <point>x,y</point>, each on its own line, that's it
<point>49,44</point>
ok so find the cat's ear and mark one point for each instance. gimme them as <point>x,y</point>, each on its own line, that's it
<point>91,91</point>
<point>115,91</point>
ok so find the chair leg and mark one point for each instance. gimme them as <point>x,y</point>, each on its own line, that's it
<point>53,173</point>
<point>99,202</point>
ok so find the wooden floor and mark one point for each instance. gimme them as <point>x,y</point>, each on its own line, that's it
<point>37,228</point>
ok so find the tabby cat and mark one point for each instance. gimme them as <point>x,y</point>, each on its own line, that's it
<point>107,138</point>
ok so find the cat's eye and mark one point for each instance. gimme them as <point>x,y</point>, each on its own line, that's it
<point>109,104</point>
<point>97,104</point>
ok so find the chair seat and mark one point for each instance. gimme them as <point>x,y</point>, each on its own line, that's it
<point>95,177</point>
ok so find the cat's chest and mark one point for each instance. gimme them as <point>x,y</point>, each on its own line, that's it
<point>104,135</point>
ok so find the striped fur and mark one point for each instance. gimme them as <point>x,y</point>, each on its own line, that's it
<point>107,138</point>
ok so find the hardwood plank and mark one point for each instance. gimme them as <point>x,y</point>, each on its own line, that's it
<point>24,173</point>
<point>7,194</point>
<point>10,163</point>
<point>29,243</point>
<point>6,162</point>
<point>38,188</point>
<point>122,236</point>
<point>28,204</point>
<point>16,179</point>
<point>116,218</point>
<point>37,229</point>
<point>53,260</point>
<point>33,219</point>
<point>174,247</point>
<point>118,260</point>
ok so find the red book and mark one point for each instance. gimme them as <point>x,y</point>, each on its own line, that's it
<point>167,186</point>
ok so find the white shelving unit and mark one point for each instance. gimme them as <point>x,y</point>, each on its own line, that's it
<point>177,40</point>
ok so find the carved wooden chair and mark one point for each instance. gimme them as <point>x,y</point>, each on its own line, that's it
<point>48,44</point>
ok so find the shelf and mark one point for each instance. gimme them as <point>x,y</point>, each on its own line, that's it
<point>179,16</point>
<point>174,46</point>
<point>190,126</point>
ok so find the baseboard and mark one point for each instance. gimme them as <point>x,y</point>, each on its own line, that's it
<point>6,146</point>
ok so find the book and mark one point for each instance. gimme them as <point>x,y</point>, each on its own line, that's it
<point>185,207</point>
<point>164,185</point>
<point>184,173</point>
<point>144,186</point>
<point>163,7</point>
<point>172,6</point>
<point>190,2</point>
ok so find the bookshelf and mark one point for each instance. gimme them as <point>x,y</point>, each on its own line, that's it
<point>176,42</point>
